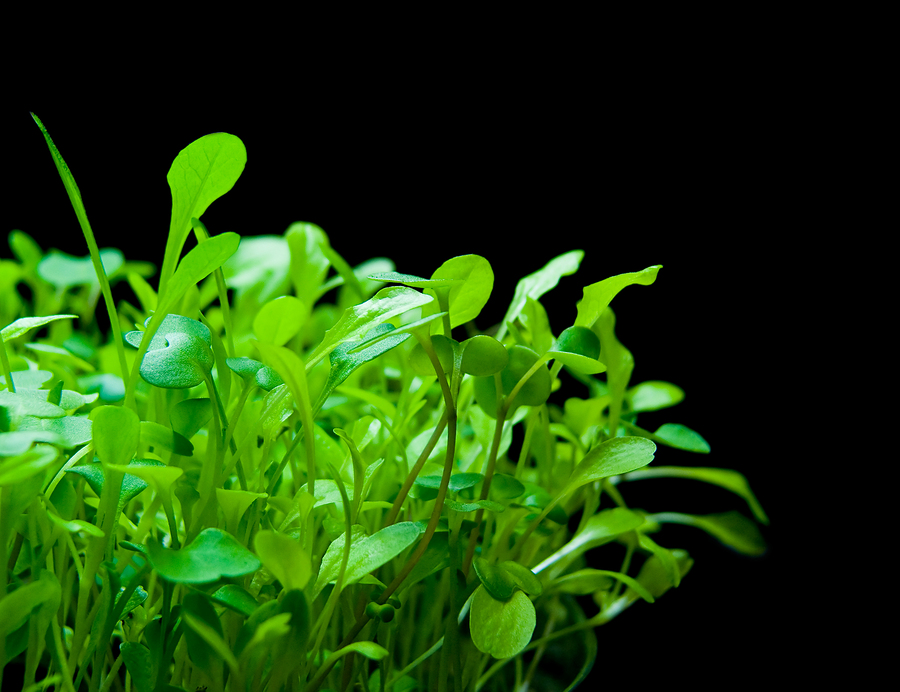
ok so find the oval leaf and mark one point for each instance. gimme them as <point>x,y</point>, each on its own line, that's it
<point>284,557</point>
<point>612,458</point>
<point>501,628</point>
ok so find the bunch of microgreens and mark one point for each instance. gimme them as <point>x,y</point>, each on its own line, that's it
<point>272,492</point>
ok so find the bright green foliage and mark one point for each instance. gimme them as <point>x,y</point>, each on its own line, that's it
<point>268,491</point>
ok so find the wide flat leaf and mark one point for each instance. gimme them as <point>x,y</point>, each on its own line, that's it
<point>725,478</point>
<point>501,628</point>
<point>235,598</point>
<point>681,437</point>
<point>212,555</point>
<point>611,458</point>
<point>367,553</point>
<point>597,296</point>
<point>165,438</point>
<point>537,284</point>
<point>139,664</point>
<point>23,325</point>
<point>234,503</point>
<point>13,444</point>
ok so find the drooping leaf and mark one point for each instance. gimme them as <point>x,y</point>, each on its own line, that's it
<point>597,296</point>
<point>585,581</point>
<point>654,576</point>
<point>537,284</point>
<point>725,478</point>
<point>666,557</point>
<point>731,528</point>
<point>213,554</point>
<point>501,628</point>
<point>579,349</point>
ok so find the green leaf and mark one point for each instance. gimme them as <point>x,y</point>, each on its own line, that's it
<point>284,557</point>
<point>474,505</point>
<point>139,664</point>
<point>71,431</point>
<point>15,607</point>
<point>351,355</point>
<point>179,355</point>
<point>235,598</point>
<point>506,487</point>
<point>63,271</point>
<point>537,284</point>
<point>201,653</point>
<point>358,319</point>
<point>308,263</point>
<point>22,466</point>
<point>260,268</point>
<point>190,415</point>
<point>655,576</point>
<point>199,263</point>
<point>600,528</point>
<point>410,280</point>
<point>597,297</point>
<point>116,432</point>
<point>483,356</point>
<point>367,553</point>
<point>23,325</point>
<point>201,173</point>
<point>652,396</point>
<point>212,555</point>
<point>587,581</point>
<point>473,281</point>
<point>724,478</point>
<point>131,484</point>
<point>665,556</point>
<point>279,320</point>
<point>501,628</point>
<point>611,458</point>
<point>731,528</point>
<point>234,503</point>
<point>28,379</point>
<point>578,348</point>
<point>370,650</point>
<point>165,438</point>
<point>30,402</point>
<point>458,481</point>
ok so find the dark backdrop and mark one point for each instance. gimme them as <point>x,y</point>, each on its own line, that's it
<point>518,178</point>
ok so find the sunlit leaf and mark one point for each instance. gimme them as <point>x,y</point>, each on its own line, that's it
<point>597,296</point>
<point>611,458</point>
<point>653,395</point>
<point>23,325</point>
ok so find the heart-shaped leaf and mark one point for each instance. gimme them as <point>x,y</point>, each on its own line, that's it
<point>212,555</point>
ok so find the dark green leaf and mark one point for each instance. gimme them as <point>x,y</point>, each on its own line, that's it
<point>731,528</point>
<point>483,356</point>
<point>235,598</point>
<point>212,555</point>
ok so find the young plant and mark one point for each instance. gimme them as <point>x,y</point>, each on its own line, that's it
<point>268,491</point>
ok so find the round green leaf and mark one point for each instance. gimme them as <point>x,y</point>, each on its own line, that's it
<point>470,293</point>
<point>537,389</point>
<point>580,340</point>
<point>212,555</point>
<point>183,363</point>
<point>501,628</point>
<point>483,356</point>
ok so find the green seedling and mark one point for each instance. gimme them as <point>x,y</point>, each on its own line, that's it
<point>256,490</point>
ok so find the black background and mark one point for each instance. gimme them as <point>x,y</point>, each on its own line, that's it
<point>690,171</point>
